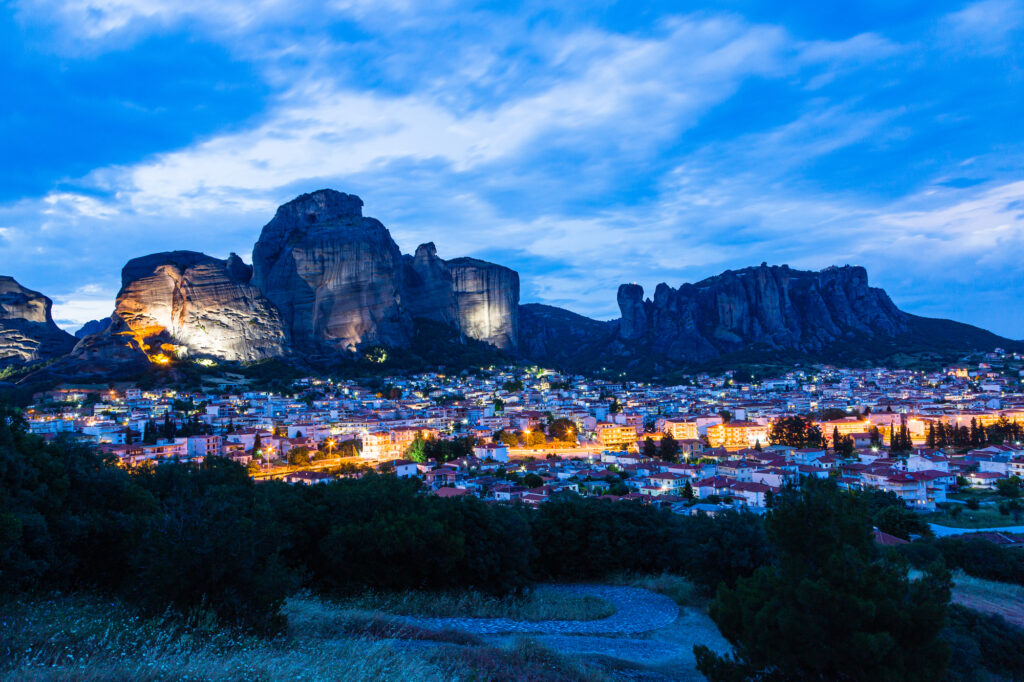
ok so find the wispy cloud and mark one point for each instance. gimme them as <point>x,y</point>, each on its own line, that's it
<point>582,153</point>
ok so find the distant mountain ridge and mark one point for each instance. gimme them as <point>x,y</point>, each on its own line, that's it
<point>328,283</point>
<point>755,313</point>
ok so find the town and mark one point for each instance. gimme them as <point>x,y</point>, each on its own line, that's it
<point>527,434</point>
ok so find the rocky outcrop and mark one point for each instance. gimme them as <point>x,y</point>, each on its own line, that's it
<point>770,307</point>
<point>341,283</point>
<point>184,302</point>
<point>428,286</point>
<point>487,299</point>
<point>27,331</point>
<point>335,276</point>
<point>92,327</point>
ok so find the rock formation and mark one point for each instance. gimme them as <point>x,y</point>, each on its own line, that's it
<point>27,331</point>
<point>487,299</point>
<point>771,307</point>
<point>429,292</point>
<point>341,283</point>
<point>335,276</point>
<point>184,302</point>
<point>92,327</point>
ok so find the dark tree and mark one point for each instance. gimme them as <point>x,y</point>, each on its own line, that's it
<point>831,607</point>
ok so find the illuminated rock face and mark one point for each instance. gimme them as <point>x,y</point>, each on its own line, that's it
<point>487,299</point>
<point>187,302</point>
<point>428,287</point>
<point>27,331</point>
<point>341,282</point>
<point>335,276</point>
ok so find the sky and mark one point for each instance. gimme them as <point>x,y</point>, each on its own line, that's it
<point>584,144</point>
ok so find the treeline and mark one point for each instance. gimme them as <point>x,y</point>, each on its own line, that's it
<point>941,435</point>
<point>206,538</point>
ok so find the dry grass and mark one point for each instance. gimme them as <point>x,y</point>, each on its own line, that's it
<point>675,587</point>
<point>87,638</point>
<point>989,596</point>
<point>538,604</point>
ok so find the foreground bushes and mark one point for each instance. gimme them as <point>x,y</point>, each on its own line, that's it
<point>974,556</point>
<point>202,539</point>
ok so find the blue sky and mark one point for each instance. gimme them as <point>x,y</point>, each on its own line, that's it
<point>584,146</point>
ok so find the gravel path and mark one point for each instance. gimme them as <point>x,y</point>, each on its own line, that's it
<point>637,610</point>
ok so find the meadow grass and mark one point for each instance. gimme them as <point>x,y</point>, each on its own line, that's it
<point>677,588</point>
<point>538,604</point>
<point>88,638</point>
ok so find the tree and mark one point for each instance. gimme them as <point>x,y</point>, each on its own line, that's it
<point>615,406</point>
<point>257,446</point>
<point>688,491</point>
<point>650,449</point>
<point>504,437</point>
<point>795,432</point>
<point>536,437</point>
<point>669,448</point>
<point>831,606</point>
<point>532,480</point>
<point>513,386</point>
<point>298,456</point>
<point>562,429</point>
<point>1009,487</point>
<point>149,433</point>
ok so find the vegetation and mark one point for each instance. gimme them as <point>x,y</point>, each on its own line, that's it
<point>537,604</point>
<point>796,432</point>
<point>88,638</point>
<point>831,606</point>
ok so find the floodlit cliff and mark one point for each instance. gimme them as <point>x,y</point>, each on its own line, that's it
<point>335,276</point>
<point>487,299</point>
<point>184,302</point>
<point>27,331</point>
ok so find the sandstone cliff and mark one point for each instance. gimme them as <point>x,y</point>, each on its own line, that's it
<point>187,302</point>
<point>27,331</point>
<point>487,299</point>
<point>428,286</point>
<point>335,276</point>
<point>341,282</point>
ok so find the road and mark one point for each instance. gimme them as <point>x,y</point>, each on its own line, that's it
<point>945,531</point>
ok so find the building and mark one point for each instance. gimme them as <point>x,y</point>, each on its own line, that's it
<point>616,436</point>
<point>737,435</point>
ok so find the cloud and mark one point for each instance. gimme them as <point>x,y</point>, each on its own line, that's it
<point>88,302</point>
<point>985,27</point>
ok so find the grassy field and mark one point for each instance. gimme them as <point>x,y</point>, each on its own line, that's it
<point>675,587</point>
<point>985,517</point>
<point>87,638</point>
<point>989,596</point>
<point>538,604</point>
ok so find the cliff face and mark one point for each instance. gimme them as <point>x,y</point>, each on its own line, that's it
<point>428,286</point>
<point>340,281</point>
<point>27,330</point>
<point>335,276</point>
<point>188,301</point>
<point>487,299</point>
<point>771,307</point>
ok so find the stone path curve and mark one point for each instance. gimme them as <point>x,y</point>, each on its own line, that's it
<point>637,610</point>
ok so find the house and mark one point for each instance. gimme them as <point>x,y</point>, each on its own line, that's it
<point>496,451</point>
<point>984,479</point>
<point>405,468</point>
<point>753,494</point>
<point>308,477</point>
